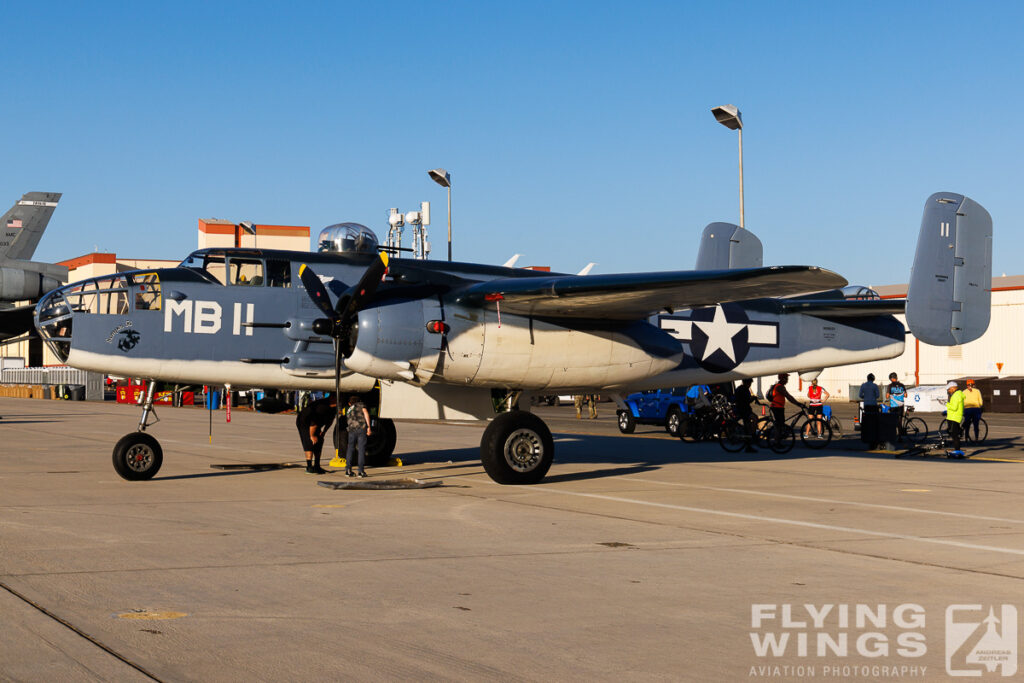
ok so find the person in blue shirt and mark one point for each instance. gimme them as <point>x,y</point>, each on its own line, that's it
<point>699,396</point>
<point>897,399</point>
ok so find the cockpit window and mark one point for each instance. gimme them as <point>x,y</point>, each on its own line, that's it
<point>147,291</point>
<point>245,271</point>
<point>279,273</point>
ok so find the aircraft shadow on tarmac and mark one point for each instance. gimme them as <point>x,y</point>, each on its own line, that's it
<point>635,456</point>
<point>24,422</point>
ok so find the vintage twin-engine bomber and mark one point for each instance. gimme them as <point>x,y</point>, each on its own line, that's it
<point>441,337</point>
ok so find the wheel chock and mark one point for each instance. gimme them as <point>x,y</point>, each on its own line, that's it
<point>336,462</point>
<point>381,484</point>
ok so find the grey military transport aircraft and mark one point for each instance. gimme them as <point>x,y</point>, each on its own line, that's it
<point>443,340</point>
<point>21,279</point>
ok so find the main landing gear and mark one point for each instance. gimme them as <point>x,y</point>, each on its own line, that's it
<point>517,448</point>
<point>138,456</point>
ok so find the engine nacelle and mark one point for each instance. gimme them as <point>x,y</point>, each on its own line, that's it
<point>17,284</point>
<point>394,343</point>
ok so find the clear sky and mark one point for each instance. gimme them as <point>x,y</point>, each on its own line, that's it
<point>574,131</point>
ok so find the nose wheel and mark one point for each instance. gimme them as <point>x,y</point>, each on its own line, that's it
<point>138,456</point>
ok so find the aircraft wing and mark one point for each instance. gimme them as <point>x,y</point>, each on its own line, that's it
<point>629,296</point>
<point>844,308</point>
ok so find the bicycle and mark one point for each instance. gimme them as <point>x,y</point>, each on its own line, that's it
<point>707,423</point>
<point>913,428</point>
<point>940,444</point>
<point>815,432</point>
<point>964,429</point>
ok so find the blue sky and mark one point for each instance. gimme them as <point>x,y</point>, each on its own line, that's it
<point>574,131</point>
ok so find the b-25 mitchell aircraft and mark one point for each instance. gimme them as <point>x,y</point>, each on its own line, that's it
<point>440,338</point>
<point>20,279</point>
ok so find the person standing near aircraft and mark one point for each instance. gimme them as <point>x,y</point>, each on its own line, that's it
<point>312,423</point>
<point>358,419</point>
<point>869,394</point>
<point>972,408</point>
<point>955,415</point>
<point>777,397</point>
<point>744,410</point>
<point>817,395</point>
<point>577,401</point>
<point>897,394</point>
<point>592,399</point>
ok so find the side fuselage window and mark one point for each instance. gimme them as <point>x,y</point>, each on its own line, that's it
<point>147,291</point>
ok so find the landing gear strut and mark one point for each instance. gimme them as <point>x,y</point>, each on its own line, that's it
<point>517,448</point>
<point>138,456</point>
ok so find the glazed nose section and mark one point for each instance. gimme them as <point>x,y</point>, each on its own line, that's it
<point>53,319</point>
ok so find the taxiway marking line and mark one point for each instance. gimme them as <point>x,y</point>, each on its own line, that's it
<point>774,520</point>
<point>835,502</point>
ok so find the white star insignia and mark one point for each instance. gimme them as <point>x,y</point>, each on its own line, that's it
<point>720,333</point>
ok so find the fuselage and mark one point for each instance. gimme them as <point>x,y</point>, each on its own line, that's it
<point>242,317</point>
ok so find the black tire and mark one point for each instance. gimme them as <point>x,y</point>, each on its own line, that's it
<point>627,423</point>
<point>809,433</point>
<point>785,442</point>
<point>517,448</point>
<point>381,443</point>
<point>732,437</point>
<point>982,432</point>
<point>672,420</point>
<point>137,456</point>
<point>916,430</point>
<point>837,427</point>
<point>689,429</point>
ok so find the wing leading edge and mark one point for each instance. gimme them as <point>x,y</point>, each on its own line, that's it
<point>629,296</point>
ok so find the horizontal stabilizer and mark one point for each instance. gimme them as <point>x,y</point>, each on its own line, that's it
<point>949,299</point>
<point>724,246</point>
<point>629,296</point>
<point>844,308</point>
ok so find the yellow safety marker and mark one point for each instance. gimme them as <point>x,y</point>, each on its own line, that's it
<point>997,459</point>
<point>151,615</point>
<point>916,490</point>
<point>323,505</point>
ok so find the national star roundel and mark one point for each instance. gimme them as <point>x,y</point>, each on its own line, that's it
<point>720,336</point>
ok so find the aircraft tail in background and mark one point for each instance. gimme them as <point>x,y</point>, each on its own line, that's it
<point>23,225</point>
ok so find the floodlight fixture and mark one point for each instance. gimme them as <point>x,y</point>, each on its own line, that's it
<point>444,179</point>
<point>730,117</point>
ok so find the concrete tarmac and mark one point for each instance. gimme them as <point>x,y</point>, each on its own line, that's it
<point>639,557</point>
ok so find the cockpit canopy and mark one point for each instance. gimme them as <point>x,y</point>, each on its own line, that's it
<point>860,292</point>
<point>347,237</point>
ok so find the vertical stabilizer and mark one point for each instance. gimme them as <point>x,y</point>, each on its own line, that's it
<point>725,245</point>
<point>23,226</point>
<point>949,300</point>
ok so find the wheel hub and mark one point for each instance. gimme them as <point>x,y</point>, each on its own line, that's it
<point>140,457</point>
<point>523,450</point>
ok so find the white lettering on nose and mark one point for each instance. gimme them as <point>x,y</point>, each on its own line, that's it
<point>207,317</point>
<point>173,308</point>
<point>236,326</point>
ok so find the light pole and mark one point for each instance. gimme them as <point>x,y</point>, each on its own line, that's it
<point>730,117</point>
<point>444,179</point>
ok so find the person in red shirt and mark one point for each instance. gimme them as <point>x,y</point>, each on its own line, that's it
<point>778,395</point>
<point>817,395</point>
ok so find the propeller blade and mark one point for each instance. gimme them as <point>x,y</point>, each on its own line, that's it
<point>316,290</point>
<point>355,298</point>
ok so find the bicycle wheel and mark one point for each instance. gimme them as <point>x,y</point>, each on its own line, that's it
<point>815,433</point>
<point>763,431</point>
<point>688,429</point>
<point>732,437</point>
<point>916,430</point>
<point>785,441</point>
<point>837,427</point>
<point>982,432</point>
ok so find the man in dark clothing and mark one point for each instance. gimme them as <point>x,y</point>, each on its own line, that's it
<point>312,423</point>
<point>778,395</point>
<point>358,418</point>
<point>744,399</point>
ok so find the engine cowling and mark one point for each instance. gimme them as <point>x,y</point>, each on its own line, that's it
<point>17,284</point>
